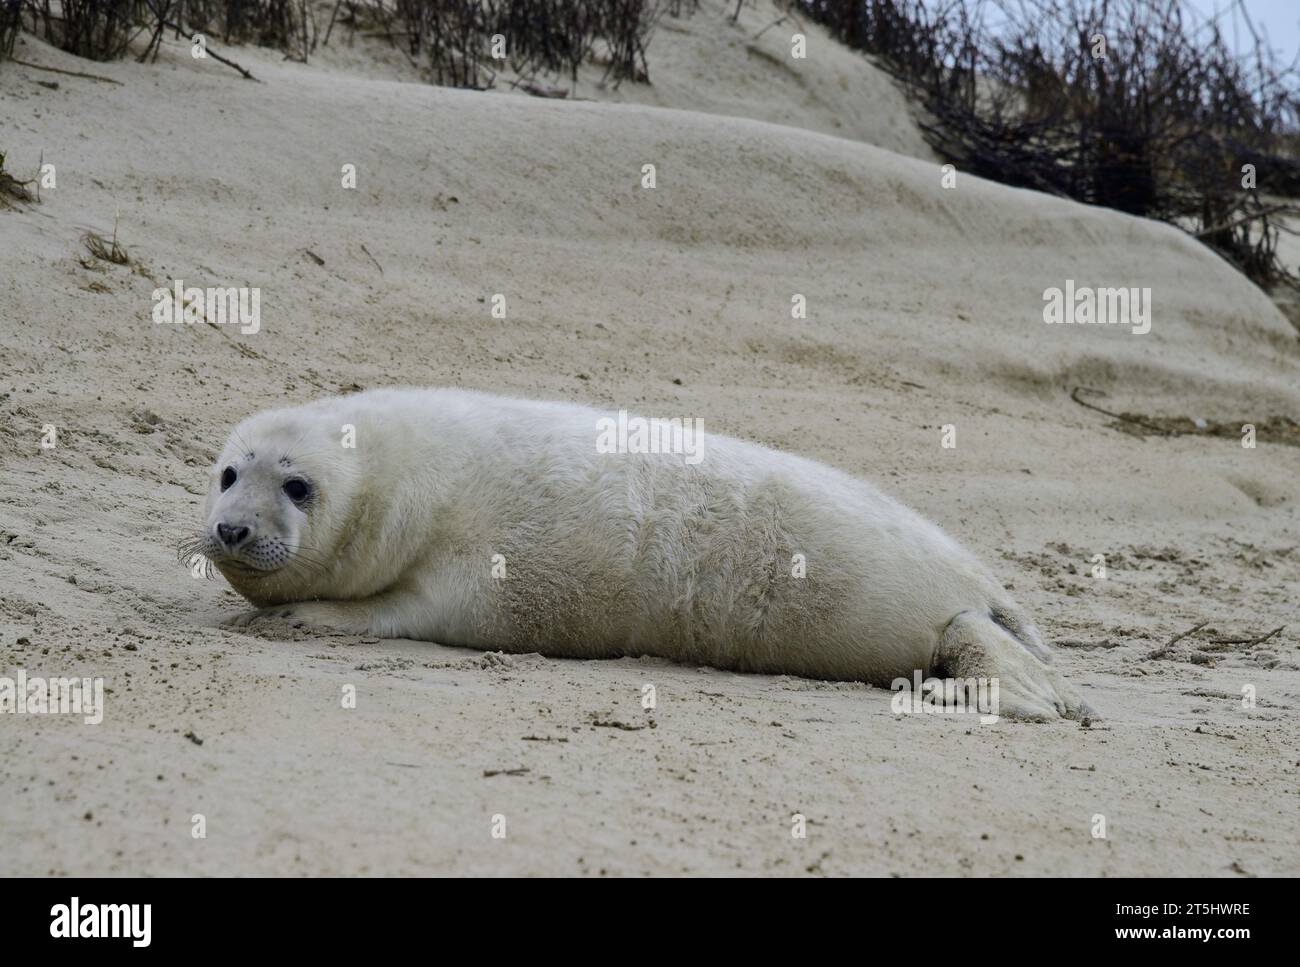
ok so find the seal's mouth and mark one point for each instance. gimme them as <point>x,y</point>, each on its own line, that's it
<point>229,562</point>
<point>257,560</point>
<point>201,553</point>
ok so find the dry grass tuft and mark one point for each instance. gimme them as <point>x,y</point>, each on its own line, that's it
<point>11,189</point>
<point>106,250</point>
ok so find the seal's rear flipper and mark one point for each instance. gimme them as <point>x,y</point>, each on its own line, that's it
<point>1023,630</point>
<point>975,645</point>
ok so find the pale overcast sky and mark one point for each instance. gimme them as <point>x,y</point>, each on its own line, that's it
<point>1279,18</point>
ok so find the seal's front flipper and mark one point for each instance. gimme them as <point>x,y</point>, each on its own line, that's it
<point>350,617</point>
<point>974,646</point>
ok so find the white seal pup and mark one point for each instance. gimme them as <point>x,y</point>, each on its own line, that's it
<point>478,520</point>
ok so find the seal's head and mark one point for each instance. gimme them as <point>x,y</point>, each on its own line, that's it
<point>267,519</point>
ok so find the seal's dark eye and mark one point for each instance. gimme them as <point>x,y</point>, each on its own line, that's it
<point>297,490</point>
<point>227,478</point>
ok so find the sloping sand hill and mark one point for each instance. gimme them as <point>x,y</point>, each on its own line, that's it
<point>924,310</point>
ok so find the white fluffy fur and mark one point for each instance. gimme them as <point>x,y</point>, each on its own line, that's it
<point>605,554</point>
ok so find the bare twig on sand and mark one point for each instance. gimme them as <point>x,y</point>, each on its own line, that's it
<point>60,70</point>
<point>1249,642</point>
<point>211,53</point>
<point>1118,416</point>
<point>372,258</point>
<point>1168,645</point>
<point>1214,644</point>
<point>775,23</point>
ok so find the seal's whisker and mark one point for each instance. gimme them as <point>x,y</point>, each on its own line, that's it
<point>307,453</point>
<point>246,447</point>
<point>205,567</point>
<point>305,549</point>
<point>307,567</point>
<point>304,559</point>
<point>188,547</point>
<point>303,566</point>
<point>289,454</point>
<point>300,568</point>
<point>306,554</point>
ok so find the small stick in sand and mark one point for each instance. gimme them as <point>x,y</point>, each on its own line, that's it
<point>372,258</point>
<point>59,70</point>
<point>775,23</point>
<point>1164,649</point>
<point>212,53</point>
<point>1119,416</point>
<point>1252,642</point>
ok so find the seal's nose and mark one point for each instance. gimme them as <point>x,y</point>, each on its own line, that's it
<point>232,537</point>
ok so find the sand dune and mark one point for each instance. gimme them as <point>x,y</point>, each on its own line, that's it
<point>924,309</point>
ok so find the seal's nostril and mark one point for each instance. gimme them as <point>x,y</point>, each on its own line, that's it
<point>232,537</point>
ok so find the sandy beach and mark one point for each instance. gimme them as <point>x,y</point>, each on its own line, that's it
<point>773,179</point>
